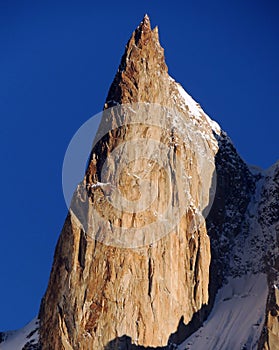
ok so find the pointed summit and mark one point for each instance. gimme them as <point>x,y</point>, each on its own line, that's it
<point>145,24</point>
<point>142,73</point>
<point>146,17</point>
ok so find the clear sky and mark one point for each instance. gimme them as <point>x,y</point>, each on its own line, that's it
<point>57,61</point>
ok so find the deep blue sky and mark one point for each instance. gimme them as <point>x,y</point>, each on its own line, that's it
<point>57,60</point>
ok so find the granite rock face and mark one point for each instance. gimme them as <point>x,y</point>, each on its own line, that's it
<point>99,293</point>
<point>112,287</point>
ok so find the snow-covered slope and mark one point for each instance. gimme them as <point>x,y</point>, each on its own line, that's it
<point>25,338</point>
<point>195,109</point>
<point>236,319</point>
<point>257,237</point>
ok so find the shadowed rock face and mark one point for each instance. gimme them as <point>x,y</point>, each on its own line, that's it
<point>144,296</point>
<point>269,221</point>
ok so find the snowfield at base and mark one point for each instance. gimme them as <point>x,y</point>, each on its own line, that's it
<point>237,318</point>
<point>15,340</point>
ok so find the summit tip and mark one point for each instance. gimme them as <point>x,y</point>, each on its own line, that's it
<point>145,23</point>
<point>146,17</point>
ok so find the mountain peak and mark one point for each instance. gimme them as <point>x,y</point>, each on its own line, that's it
<point>145,24</point>
<point>142,71</point>
<point>144,31</point>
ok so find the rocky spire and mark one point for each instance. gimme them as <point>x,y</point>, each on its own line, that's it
<point>98,294</point>
<point>145,25</point>
<point>142,73</point>
<point>113,297</point>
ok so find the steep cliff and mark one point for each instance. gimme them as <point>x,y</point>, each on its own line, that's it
<point>105,285</point>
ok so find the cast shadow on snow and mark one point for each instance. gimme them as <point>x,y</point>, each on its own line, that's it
<point>182,333</point>
<point>125,343</point>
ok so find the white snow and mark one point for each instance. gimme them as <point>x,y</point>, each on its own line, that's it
<point>214,125</point>
<point>103,185</point>
<point>195,109</point>
<point>15,340</point>
<point>189,101</point>
<point>236,319</point>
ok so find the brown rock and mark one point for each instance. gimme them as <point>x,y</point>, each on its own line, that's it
<point>101,294</point>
